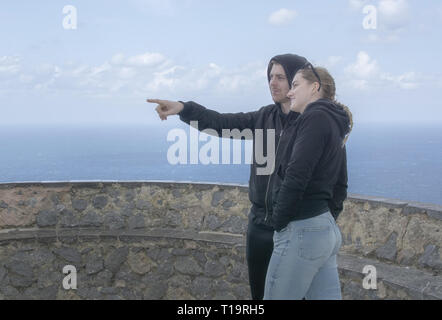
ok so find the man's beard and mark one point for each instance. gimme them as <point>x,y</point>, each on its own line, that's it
<point>282,101</point>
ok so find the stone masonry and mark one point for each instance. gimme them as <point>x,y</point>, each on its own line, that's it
<point>168,240</point>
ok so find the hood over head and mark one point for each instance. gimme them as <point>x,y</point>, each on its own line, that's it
<point>291,64</point>
<point>335,111</point>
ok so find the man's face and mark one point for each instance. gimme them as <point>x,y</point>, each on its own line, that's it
<point>279,85</point>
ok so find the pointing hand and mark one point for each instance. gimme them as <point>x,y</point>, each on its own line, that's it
<point>166,108</point>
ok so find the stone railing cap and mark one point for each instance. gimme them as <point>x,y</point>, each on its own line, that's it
<point>433,210</point>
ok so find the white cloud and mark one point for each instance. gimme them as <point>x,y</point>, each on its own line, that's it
<point>9,65</point>
<point>282,17</point>
<point>148,74</point>
<point>127,73</point>
<point>392,19</point>
<point>155,75</point>
<point>365,73</point>
<point>146,60</point>
<point>117,58</point>
<point>210,78</point>
<point>100,69</point>
<point>407,80</point>
<point>364,67</point>
<point>393,14</point>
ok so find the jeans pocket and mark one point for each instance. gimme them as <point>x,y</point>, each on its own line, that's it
<point>315,242</point>
<point>281,241</point>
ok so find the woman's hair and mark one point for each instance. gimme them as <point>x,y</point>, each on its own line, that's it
<point>327,90</point>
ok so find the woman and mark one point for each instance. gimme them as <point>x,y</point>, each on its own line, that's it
<point>309,194</point>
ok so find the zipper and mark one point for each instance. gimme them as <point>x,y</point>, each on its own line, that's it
<point>273,170</point>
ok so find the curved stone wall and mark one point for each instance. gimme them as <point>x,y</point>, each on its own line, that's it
<point>408,234</point>
<point>168,240</point>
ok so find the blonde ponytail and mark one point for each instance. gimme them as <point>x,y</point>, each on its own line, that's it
<point>350,118</point>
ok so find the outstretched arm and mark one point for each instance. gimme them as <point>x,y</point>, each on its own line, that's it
<point>207,119</point>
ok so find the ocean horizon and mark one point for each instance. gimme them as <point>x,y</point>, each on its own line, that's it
<point>391,161</point>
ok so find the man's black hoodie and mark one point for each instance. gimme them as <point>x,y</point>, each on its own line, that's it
<point>312,169</point>
<point>270,117</point>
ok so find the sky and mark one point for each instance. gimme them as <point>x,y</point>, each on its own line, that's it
<point>97,61</point>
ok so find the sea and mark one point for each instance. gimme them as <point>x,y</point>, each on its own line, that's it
<point>385,160</point>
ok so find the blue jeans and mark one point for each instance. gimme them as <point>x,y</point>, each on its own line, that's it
<point>303,262</point>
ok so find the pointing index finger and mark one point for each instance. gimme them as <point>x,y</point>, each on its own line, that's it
<point>154,101</point>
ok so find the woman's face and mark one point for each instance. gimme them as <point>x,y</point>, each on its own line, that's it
<point>302,93</point>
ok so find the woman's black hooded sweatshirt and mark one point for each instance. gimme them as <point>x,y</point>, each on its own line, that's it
<point>311,172</point>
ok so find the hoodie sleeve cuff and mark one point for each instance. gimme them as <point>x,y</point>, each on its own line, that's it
<point>187,110</point>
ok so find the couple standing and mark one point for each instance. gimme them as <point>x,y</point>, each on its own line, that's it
<point>292,236</point>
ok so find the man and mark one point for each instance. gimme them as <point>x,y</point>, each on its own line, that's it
<point>280,73</point>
